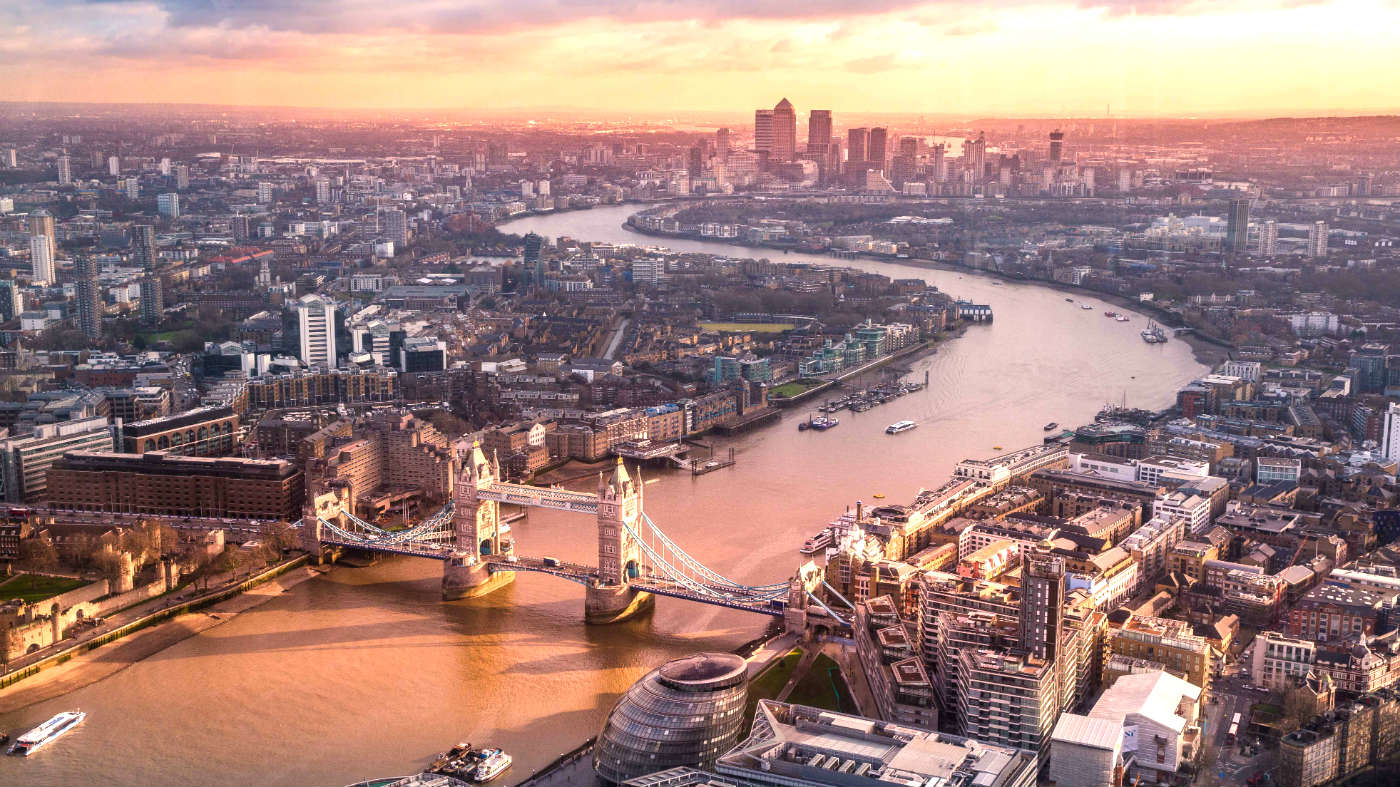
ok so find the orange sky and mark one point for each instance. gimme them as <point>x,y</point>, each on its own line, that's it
<point>1005,57</point>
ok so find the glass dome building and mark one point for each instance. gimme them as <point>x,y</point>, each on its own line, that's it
<point>686,712</point>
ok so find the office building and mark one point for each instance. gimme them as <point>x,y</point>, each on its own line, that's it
<point>763,134</point>
<point>11,300</point>
<point>316,319</point>
<point>1237,227</point>
<point>323,191</point>
<point>533,257</point>
<point>203,431</point>
<point>1153,717</point>
<point>89,296</point>
<point>114,166</point>
<point>182,176</point>
<point>784,144</point>
<point>168,205</point>
<point>877,149</point>
<point>819,133</point>
<point>1057,146</point>
<point>65,171</point>
<point>161,484</point>
<point>685,713</point>
<point>975,158</point>
<point>1317,239</point>
<point>41,259</point>
<point>856,139</point>
<point>1042,603</point>
<point>25,461</point>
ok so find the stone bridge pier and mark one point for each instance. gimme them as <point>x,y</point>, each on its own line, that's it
<point>478,533</point>
<point>612,599</point>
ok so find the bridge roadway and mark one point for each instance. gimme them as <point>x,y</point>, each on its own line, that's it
<point>652,583</point>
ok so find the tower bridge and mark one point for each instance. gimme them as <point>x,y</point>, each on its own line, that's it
<point>636,560</point>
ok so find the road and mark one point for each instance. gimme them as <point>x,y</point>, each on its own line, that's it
<point>1221,763</point>
<point>617,338</point>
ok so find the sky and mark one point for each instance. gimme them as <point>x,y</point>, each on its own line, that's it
<point>1044,58</point>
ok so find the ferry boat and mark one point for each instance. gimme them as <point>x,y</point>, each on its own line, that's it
<point>1051,426</point>
<point>900,426</point>
<point>47,732</point>
<point>816,543</point>
<point>493,763</point>
<point>821,424</point>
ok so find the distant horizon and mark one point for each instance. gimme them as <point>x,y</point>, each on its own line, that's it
<point>954,58</point>
<point>604,114</point>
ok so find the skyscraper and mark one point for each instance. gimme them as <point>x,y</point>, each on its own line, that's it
<point>533,257</point>
<point>763,132</point>
<point>938,166</point>
<point>152,299</point>
<point>877,149</point>
<point>1268,238</point>
<point>323,191</point>
<point>41,223</point>
<point>819,133</point>
<point>856,138</point>
<point>238,225</point>
<point>143,245</point>
<point>1237,227</point>
<point>89,293</point>
<point>41,258</point>
<point>168,205</point>
<point>1057,144</point>
<point>784,132</point>
<point>1317,239</point>
<point>694,161</point>
<point>114,166</point>
<point>1042,603</point>
<point>722,145</point>
<point>132,187</point>
<point>11,300</point>
<point>975,158</point>
<point>316,319</point>
<point>65,171</point>
<point>182,176</point>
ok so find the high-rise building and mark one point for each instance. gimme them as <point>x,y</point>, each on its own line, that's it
<point>1057,145</point>
<point>89,293</point>
<point>182,176</point>
<point>11,300</point>
<point>152,299</point>
<point>41,259</point>
<point>938,165</point>
<point>1237,227</point>
<point>65,171</point>
<point>533,257</point>
<point>168,205</point>
<point>265,192</point>
<point>132,187</point>
<point>239,226</point>
<point>143,245</point>
<point>1268,238</point>
<point>784,132</point>
<point>41,223</point>
<point>975,158</point>
<point>165,166</point>
<point>323,191</point>
<point>1317,239</point>
<point>877,149</point>
<point>1042,603</point>
<point>763,132</point>
<point>818,132</point>
<point>9,157</point>
<point>1390,433</point>
<point>114,166</point>
<point>694,162</point>
<point>395,225</point>
<point>316,319</point>
<point>856,139</point>
<point>722,145</point>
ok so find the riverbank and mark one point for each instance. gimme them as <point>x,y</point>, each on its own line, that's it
<point>87,664</point>
<point>1208,351</point>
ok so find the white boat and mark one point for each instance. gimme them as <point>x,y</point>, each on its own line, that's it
<point>1085,306</point>
<point>46,733</point>
<point>900,426</point>
<point>1121,318</point>
<point>494,762</point>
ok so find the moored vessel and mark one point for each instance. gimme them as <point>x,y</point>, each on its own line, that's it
<point>493,763</point>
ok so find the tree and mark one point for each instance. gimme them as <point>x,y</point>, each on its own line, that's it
<point>38,554</point>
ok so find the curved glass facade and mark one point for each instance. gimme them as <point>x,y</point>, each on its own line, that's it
<point>686,712</point>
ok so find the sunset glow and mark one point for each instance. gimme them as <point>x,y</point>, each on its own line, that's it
<point>1161,57</point>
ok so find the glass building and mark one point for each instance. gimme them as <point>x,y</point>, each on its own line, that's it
<point>686,712</point>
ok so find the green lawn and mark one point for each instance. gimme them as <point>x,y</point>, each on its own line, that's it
<point>789,390</point>
<point>33,587</point>
<point>771,681</point>
<point>747,327</point>
<point>823,687</point>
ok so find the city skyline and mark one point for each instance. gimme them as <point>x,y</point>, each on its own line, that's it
<point>1048,59</point>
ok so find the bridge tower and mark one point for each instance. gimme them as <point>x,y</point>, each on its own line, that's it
<point>620,558</point>
<point>480,536</point>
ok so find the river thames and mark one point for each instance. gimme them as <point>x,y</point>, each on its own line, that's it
<point>365,673</point>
